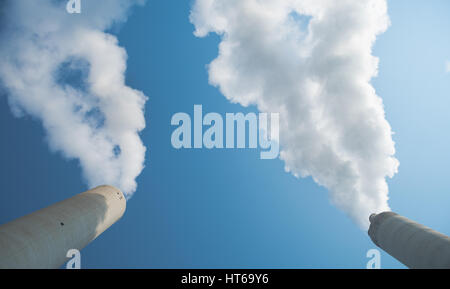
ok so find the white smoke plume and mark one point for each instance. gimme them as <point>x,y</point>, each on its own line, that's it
<point>65,71</point>
<point>311,61</point>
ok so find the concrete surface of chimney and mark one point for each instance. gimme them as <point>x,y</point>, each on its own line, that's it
<point>43,238</point>
<point>414,245</point>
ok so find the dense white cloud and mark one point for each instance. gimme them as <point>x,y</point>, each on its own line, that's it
<point>63,70</point>
<point>311,61</point>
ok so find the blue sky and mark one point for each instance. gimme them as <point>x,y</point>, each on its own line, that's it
<point>227,208</point>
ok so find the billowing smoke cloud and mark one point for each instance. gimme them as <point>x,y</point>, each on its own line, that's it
<point>311,61</point>
<point>63,70</point>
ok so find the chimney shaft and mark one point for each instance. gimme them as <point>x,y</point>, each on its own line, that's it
<point>414,245</point>
<point>43,238</point>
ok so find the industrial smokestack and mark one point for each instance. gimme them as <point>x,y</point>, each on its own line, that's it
<point>43,238</point>
<point>414,245</point>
